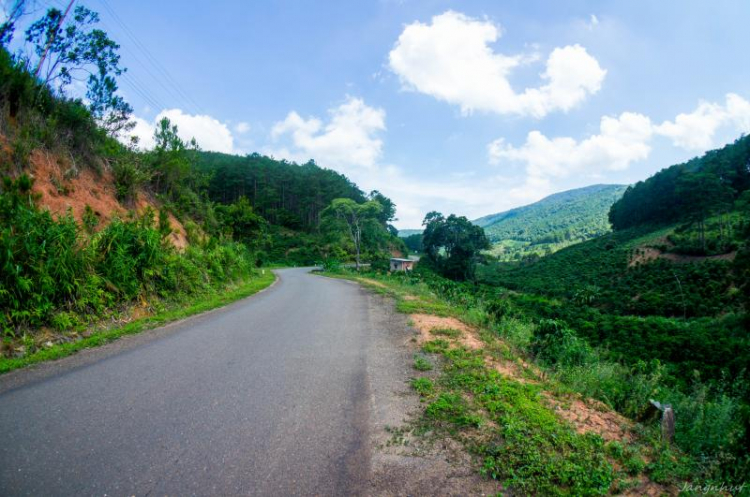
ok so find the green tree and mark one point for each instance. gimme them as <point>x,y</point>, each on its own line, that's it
<point>414,242</point>
<point>73,49</point>
<point>169,159</point>
<point>12,15</point>
<point>357,219</point>
<point>453,244</point>
<point>742,260</point>
<point>242,223</point>
<point>703,195</point>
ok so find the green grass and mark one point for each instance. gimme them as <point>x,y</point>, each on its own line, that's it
<point>423,386</point>
<point>197,306</point>
<point>508,426</point>
<point>422,364</point>
<point>446,332</point>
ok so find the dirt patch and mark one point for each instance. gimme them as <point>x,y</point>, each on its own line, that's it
<point>682,259</point>
<point>643,255</point>
<point>468,337</point>
<point>593,417</point>
<point>427,323</point>
<point>64,187</point>
<point>647,488</point>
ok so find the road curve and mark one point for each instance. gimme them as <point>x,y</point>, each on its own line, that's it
<point>268,396</point>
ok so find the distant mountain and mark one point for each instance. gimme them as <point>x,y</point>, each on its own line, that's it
<point>552,223</point>
<point>407,233</point>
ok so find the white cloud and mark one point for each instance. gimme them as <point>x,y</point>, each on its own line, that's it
<point>348,142</point>
<point>621,141</point>
<point>242,127</point>
<point>144,131</point>
<point>451,60</point>
<point>210,133</point>
<point>696,130</point>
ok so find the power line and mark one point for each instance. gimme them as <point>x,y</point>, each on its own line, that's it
<point>176,88</point>
<point>138,87</point>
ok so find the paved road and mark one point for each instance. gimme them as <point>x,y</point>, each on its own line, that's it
<point>268,396</point>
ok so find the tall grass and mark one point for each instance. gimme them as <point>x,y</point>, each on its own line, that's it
<point>56,273</point>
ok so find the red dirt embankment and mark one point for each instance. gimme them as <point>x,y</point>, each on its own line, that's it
<point>62,186</point>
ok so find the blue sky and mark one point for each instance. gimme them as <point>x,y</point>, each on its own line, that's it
<point>468,107</point>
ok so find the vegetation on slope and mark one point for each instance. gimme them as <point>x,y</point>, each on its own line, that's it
<point>653,310</point>
<point>516,392</point>
<point>61,275</point>
<point>552,223</point>
<point>693,191</point>
<point>663,301</point>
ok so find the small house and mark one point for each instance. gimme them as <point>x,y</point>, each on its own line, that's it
<point>402,264</point>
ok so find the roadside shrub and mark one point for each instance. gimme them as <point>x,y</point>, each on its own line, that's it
<point>41,261</point>
<point>54,272</point>
<point>555,344</point>
<point>331,265</point>
<point>129,177</point>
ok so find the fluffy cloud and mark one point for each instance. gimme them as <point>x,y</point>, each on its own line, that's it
<point>620,142</point>
<point>348,142</point>
<point>210,133</point>
<point>242,127</point>
<point>696,130</point>
<point>470,197</point>
<point>451,60</point>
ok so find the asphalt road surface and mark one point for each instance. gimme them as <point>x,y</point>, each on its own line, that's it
<point>268,396</point>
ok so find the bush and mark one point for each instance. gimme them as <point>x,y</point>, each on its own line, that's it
<point>52,270</point>
<point>129,177</point>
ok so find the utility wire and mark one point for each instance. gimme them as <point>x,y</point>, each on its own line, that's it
<point>136,84</point>
<point>177,90</point>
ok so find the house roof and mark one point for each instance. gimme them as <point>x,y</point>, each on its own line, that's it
<point>396,259</point>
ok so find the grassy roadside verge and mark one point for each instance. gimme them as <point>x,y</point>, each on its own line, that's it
<point>178,310</point>
<point>523,427</point>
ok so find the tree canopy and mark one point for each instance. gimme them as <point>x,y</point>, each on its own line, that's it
<point>683,192</point>
<point>360,221</point>
<point>453,244</point>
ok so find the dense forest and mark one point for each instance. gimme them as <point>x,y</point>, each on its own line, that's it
<point>292,200</point>
<point>284,193</point>
<point>552,223</point>
<point>692,191</point>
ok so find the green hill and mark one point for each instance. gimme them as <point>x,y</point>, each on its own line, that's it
<point>409,232</point>
<point>690,191</point>
<point>552,223</point>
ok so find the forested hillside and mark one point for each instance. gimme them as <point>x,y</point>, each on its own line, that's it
<point>552,223</point>
<point>691,191</point>
<point>284,193</point>
<point>292,200</point>
<point>668,293</point>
